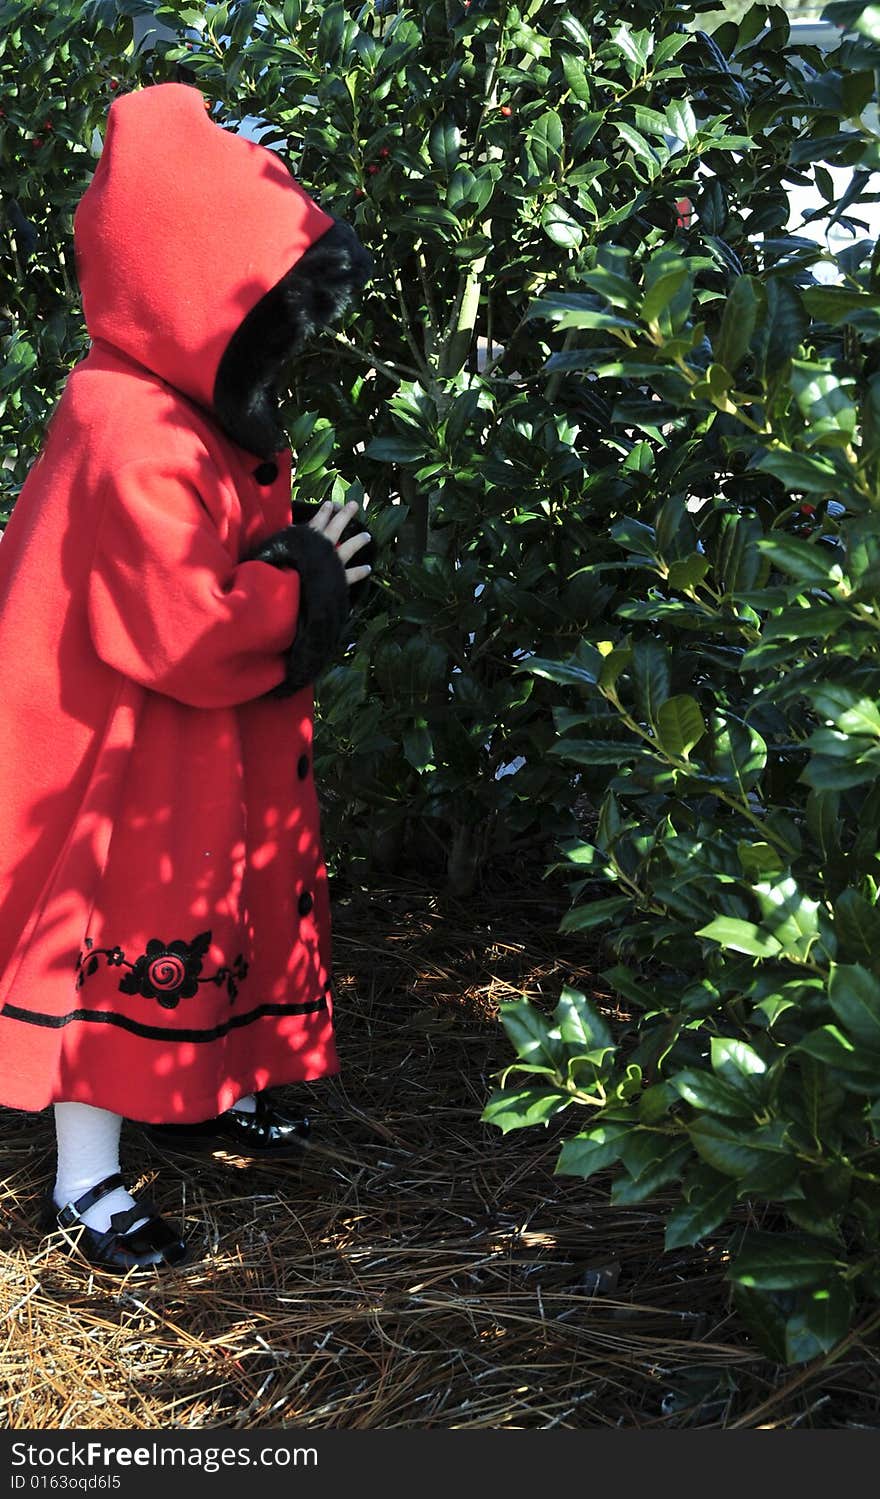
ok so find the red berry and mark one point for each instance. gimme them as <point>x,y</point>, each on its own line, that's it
<point>2,114</point>
<point>359,192</point>
<point>114,83</point>
<point>47,124</point>
<point>385,151</point>
<point>372,169</point>
<point>808,510</point>
<point>506,111</point>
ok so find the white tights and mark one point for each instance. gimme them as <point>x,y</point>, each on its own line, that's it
<point>88,1150</point>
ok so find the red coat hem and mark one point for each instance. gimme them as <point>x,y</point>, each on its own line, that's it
<point>207,1107</point>
<point>284,1049</point>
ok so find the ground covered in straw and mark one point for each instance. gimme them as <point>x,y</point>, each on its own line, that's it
<point>417,1269</point>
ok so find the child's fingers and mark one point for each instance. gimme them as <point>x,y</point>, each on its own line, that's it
<point>354,544</point>
<point>333,518</point>
<point>354,574</point>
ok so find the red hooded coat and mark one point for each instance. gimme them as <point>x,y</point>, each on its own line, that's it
<point>164,916</point>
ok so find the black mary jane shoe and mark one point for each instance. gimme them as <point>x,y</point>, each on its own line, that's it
<point>121,1247</point>
<point>268,1131</point>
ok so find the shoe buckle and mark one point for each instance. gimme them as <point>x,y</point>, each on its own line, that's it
<point>68,1216</point>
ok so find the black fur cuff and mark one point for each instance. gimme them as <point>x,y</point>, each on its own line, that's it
<point>323,604</point>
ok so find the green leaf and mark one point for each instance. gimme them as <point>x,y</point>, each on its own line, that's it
<point>854,996</point>
<point>595,751</point>
<point>826,402</point>
<point>650,673</point>
<point>656,1101</point>
<point>739,752</point>
<point>738,561</point>
<point>545,142</point>
<point>531,42</point>
<point>757,1310</point>
<point>663,291</point>
<point>530,1033</point>
<point>396,449</point>
<point>597,913</point>
<point>778,1262</point>
<point>575,310</point>
<point>758,859</point>
<point>735,1059</point>
<point>821,1324</point>
<point>741,936</point>
<point>850,710</point>
<point>833,304</point>
<point>737,324</point>
<point>682,121</point>
<point>576,30</point>
<point>635,46</point>
<point>640,148</point>
<point>791,916</point>
<point>710,1200</point>
<point>580,1025</point>
<point>559,226</point>
<point>680,725</point>
<point>592,1150</point>
<point>563,671</point>
<point>444,144</point>
<point>418,746</point>
<point>330,30</point>
<point>575,75</point>
<point>785,326</point>
<point>737,1153</point>
<point>315,454</point>
<point>857,925</point>
<point>828,1044</point>
<point>517,1108</point>
<point>703,1091</point>
<point>802,474</point>
<point>665,1168</point>
<point>688,572</point>
<point>634,536</point>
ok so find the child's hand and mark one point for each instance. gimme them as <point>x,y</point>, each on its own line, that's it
<point>332,519</point>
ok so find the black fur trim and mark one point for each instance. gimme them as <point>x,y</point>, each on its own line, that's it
<point>323,603</point>
<point>313,294</point>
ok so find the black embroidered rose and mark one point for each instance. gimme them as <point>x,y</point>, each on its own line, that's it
<point>168,971</point>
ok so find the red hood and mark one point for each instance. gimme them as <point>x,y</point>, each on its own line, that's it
<point>182,230</point>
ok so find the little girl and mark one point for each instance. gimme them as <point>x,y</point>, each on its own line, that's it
<point>165,944</point>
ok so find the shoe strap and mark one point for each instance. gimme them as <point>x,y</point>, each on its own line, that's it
<point>72,1212</point>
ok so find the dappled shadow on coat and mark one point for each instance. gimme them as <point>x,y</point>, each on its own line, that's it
<point>128,807</point>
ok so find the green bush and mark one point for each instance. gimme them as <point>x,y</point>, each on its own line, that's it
<point>54,90</point>
<point>726,722</point>
<point>484,151</point>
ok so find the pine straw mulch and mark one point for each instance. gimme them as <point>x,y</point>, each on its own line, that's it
<point>417,1269</point>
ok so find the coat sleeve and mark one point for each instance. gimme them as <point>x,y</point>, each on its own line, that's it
<point>169,607</point>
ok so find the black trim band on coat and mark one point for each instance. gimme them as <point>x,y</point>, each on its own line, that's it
<point>159,1032</point>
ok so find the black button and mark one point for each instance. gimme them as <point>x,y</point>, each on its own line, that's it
<point>302,767</point>
<point>305,903</point>
<point>266,473</point>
